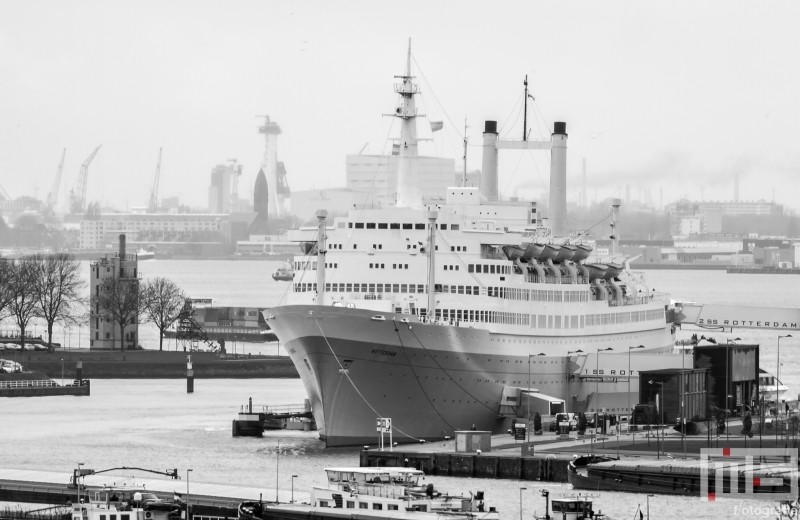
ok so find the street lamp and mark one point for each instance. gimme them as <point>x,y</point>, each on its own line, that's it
<point>777,387</point>
<point>62,372</point>
<point>520,502</point>
<point>528,400</point>
<point>728,376</point>
<point>188,507</point>
<point>661,406</point>
<point>648,506</point>
<point>568,353</point>
<point>293,477</point>
<point>78,482</point>
<point>597,391</point>
<point>630,411</point>
<point>727,405</point>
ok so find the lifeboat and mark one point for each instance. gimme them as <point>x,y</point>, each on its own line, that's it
<point>582,252</point>
<point>596,271</point>
<point>513,252</point>
<point>550,252</point>
<point>566,253</point>
<point>613,270</point>
<point>533,250</point>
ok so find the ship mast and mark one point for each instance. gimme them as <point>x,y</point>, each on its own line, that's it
<point>525,115</point>
<point>464,181</point>
<point>432,264</point>
<point>408,190</point>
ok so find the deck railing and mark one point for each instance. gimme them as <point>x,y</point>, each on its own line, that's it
<point>38,383</point>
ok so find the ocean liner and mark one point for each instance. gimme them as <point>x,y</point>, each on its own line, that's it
<point>444,315</point>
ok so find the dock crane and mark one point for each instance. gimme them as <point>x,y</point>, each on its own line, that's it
<point>52,197</point>
<point>152,204</point>
<point>77,196</point>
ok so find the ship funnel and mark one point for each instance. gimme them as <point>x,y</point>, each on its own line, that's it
<point>558,180</point>
<point>489,166</point>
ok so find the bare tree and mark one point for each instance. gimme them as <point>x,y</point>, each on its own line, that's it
<point>58,291</point>
<point>6,289</point>
<point>119,301</point>
<point>23,292</point>
<point>164,303</point>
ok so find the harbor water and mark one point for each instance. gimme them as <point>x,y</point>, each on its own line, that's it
<point>155,424</point>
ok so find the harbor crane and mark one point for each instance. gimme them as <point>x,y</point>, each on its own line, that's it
<point>152,204</point>
<point>77,196</point>
<point>52,197</point>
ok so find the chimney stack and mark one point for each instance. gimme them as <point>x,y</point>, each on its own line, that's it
<point>489,166</point>
<point>122,246</point>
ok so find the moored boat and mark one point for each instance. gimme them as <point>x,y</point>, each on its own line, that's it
<point>284,274</point>
<point>375,493</point>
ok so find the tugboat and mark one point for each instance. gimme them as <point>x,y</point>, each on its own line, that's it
<point>374,493</point>
<point>284,274</point>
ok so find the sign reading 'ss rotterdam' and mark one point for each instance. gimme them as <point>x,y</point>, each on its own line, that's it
<point>730,316</point>
<point>731,473</point>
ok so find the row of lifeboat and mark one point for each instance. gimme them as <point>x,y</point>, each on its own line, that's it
<point>558,254</point>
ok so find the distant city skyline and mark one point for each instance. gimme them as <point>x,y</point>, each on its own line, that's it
<point>676,96</point>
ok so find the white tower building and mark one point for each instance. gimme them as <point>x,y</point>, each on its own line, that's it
<point>271,130</point>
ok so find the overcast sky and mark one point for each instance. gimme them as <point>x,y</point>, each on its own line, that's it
<point>673,96</point>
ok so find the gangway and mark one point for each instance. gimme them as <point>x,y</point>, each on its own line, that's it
<point>253,420</point>
<point>729,317</point>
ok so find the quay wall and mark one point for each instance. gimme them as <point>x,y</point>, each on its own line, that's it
<point>154,365</point>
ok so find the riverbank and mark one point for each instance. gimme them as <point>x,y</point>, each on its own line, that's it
<point>154,364</point>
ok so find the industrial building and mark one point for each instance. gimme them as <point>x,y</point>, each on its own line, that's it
<point>155,227</point>
<point>223,192</point>
<point>103,332</point>
<point>687,218</point>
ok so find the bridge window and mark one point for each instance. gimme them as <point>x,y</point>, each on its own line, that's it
<point>454,227</point>
<point>383,226</point>
<point>419,226</point>
<point>377,506</point>
<point>443,227</point>
<point>351,504</point>
<point>363,505</point>
<point>408,226</point>
<point>359,225</point>
<point>370,225</point>
<point>394,226</point>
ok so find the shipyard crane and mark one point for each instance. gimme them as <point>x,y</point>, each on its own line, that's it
<point>152,204</point>
<point>77,196</point>
<point>52,197</point>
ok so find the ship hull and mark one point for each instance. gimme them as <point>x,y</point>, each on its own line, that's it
<point>429,379</point>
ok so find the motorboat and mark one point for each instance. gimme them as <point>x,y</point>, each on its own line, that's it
<point>284,274</point>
